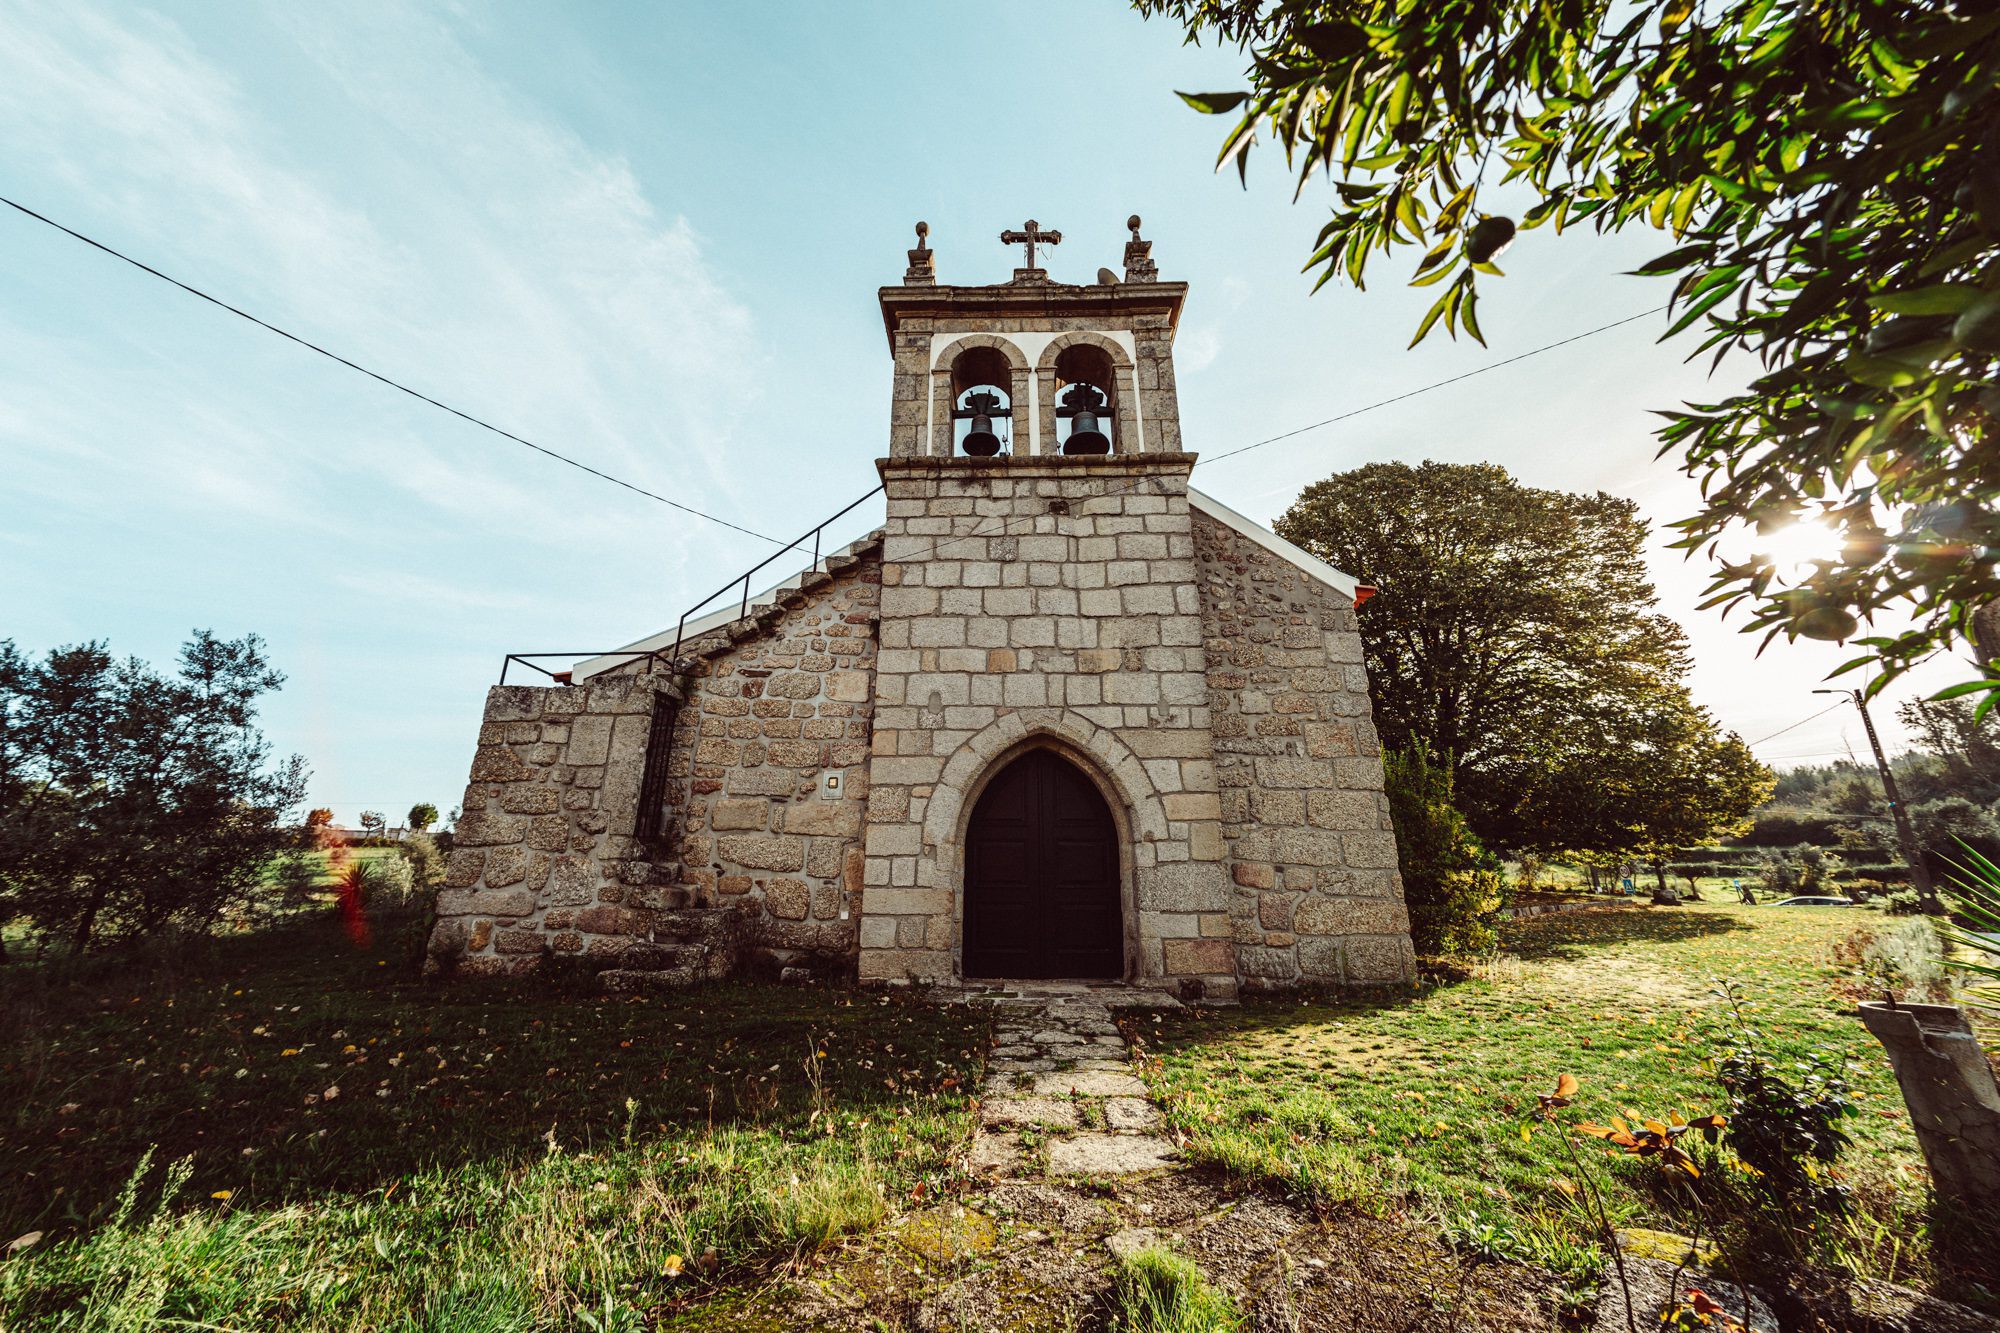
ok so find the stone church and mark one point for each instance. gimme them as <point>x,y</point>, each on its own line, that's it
<point>1061,716</point>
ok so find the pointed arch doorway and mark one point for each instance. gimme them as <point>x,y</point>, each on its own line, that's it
<point>1041,876</point>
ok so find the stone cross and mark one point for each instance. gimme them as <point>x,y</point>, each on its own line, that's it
<point>1032,234</point>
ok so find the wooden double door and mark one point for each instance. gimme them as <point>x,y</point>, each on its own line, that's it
<point>1041,876</point>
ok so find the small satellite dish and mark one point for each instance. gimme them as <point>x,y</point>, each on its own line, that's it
<point>1106,278</point>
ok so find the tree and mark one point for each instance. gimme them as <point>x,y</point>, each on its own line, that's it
<point>1965,747</point>
<point>422,815</point>
<point>1830,177</point>
<point>372,823</point>
<point>319,826</point>
<point>1515,634</point>
<point>130,800</point>
<point>1452,885</point>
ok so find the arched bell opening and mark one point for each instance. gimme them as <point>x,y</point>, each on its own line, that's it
<point>982,419</point>
<point>1043,872</point>
<point>1086,399</point>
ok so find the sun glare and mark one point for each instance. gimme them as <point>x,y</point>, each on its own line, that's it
<point>1793,548</point>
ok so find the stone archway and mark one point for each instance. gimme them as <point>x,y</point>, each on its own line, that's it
<point>1126,438</point>
<point>1161,900</point>
<point>1042,875</point>
<point>1018,373</point>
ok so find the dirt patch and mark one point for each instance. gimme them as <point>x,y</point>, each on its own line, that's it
<point>1050,1268</point>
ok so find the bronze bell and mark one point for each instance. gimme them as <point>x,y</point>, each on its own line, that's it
<point>980,441</point>
<point>1084,436</point>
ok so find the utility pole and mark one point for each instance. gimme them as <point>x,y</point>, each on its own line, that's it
<point>1906,837</point>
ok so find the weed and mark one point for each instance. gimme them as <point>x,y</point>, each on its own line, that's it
<point>1158,1291</point>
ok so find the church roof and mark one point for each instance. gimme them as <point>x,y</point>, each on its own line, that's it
<point>1199,501</point>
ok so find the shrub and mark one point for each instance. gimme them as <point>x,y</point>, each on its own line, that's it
<point>1788,1131</point>
<point>1906,903</point>
<point>296,877</point>
<point>1454,887</point>
<point>1781,875</point>
<point>1907,960</point>
<point>426,862</point>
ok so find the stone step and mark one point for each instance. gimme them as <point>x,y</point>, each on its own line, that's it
<point>647,981</point>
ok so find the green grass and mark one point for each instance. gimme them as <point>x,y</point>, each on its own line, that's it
<point>283,1132</point>
<point>1429,1098</point>
<point>1158,1291</point>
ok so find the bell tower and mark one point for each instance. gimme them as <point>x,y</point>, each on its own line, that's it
<point>1033,367</point>
<point>1040,591</point>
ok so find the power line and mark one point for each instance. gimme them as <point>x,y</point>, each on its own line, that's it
<point>1481,370</point>
<point>1800,723</point>
<point>423,397</point>
<point>1383,403</point>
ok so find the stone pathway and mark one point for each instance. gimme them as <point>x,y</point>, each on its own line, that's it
<point>1060,1097</point>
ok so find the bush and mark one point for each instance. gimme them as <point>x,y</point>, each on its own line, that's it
<point>1905,904</point>
<point>1788,1132</point>
<point>425,860</point>
<point>1454,887</point>
<point>1907,961</point>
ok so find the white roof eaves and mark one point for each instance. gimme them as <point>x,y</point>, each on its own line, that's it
<point>1345,584</point>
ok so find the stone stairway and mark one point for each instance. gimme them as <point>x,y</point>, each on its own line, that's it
<point>686,945</point>
<point>1061,1098</point>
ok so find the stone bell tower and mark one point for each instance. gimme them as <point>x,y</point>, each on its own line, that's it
<point>1040,592</point>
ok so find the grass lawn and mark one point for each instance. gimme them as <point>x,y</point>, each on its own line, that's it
<point>305,1138</point>
<point>1427,1097</point>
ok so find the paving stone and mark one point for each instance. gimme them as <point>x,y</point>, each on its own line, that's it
<point>1130,1113</point>
<point>1006,1083</point>
<point>1055,1037</point>
<point>1108,1154</point>
<point>1043,1111</point>
<point>1124,1244</point>
<point>1089,1082</point>
<point>998,1154</point>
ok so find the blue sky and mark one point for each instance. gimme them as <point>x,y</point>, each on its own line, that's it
<point>649,235</point>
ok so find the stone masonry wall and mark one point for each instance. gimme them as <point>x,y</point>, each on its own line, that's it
<point>542,860</point>
<point>1043,600</point>
<point>767,722</point>
<point>1312,850</point>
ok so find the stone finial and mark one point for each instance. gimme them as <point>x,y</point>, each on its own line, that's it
<point>922,271</point>
<point>1139,266</point>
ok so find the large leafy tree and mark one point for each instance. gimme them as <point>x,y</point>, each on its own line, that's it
<point>1829,175</point>
<point>1514,636</point>
<point>129,799</point>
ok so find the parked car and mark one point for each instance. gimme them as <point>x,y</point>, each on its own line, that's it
<point>1814,902</point>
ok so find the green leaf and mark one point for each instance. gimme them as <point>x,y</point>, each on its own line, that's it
<point>1968,687</point>
<point>1213,104</point>
<point>1948,298</point>
<point>1437,309</point>
<point>1672,261</point>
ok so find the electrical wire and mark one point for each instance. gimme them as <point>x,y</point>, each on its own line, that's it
<point>1801,722</point>
<point>374,375</point>
<point>1481,370</point>
<point>1128,487</point>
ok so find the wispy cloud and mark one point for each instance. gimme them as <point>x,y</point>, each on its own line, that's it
<point>494,260</point>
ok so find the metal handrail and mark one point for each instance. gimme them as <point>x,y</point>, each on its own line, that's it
<point>672,656</point>
<point>744,579</point>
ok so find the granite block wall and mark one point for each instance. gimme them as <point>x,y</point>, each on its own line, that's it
<point>1318,897</point>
